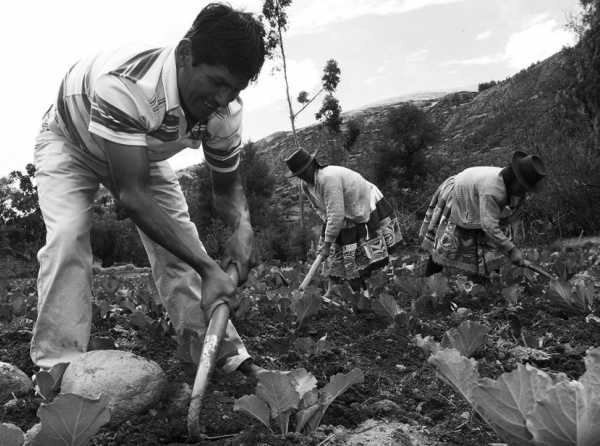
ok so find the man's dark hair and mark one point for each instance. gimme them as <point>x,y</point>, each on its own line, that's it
<point>223,36</point>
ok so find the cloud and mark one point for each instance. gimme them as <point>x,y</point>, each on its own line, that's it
<point>417,56</point>
<point>308,16</point>
<point>537,42</point>
<point>540,40</point>
<point>483,60</point>
<point>483,35</point>
<point>270,86</point>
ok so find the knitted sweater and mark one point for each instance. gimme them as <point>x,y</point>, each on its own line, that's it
<point>341,198</point>
<point>481,201</point>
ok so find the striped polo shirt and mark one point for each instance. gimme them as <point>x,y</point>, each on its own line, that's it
<point>130,97</point>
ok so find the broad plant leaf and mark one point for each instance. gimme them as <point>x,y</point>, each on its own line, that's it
<point>19,303</point>
<point>139,320</point>
<point>103,308</point>
<point>409,285</point>
<point>583,296</point>
<point>11,435</point>
<point>71,420</point>
<point>588,401</point>
<point>458,371</point>
<point>387,306</point>
<point>110,283</point>
<point>305,346</point>
<point>523,354</point>
<point>253,406</point>
<point>305,304</point>
<point>512,294</point>
<point>562,293</point>
<point>305,415</point>
<point>309,399</point>
<point>466,338</point>
<point>283,420</point>
<point>504,403</point>
<point>277,389</point>
<point>303,381</point>
<point>322,345</point>
<point>48,381</point>
<point>437,286</point>
<point>553,420</point>
<point>337,385</point>
<point>427,344</point>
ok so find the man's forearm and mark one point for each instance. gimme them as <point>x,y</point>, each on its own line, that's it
<point>162,229</point>
<point>231,204</point>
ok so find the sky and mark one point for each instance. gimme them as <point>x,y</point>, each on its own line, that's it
<point>385,49</point>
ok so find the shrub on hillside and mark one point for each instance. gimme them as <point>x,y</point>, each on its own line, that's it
<point>351,134</point>
<point>258,181</point>
<point>485,85</point>
<point>399,162</point>
<point>113,236</point>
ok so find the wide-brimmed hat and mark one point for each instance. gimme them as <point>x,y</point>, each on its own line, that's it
<point>299,161</point>
<point>529,170</point>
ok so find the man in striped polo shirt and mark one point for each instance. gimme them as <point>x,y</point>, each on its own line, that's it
<point>118,117</point>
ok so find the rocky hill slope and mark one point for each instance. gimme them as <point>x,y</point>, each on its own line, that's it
<point>521,112</point>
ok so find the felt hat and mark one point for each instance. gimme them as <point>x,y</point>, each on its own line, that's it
<point>529,170</point>
<point>299,161</point>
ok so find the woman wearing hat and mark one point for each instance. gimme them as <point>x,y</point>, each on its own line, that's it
<point>359,224</point>
<point>466,224</point>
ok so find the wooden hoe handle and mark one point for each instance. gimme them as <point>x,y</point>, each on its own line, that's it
<point>210,347</point>
<point>311,272</point>
<point>537,269</point>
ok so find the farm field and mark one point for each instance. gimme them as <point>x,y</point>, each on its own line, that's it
<point>523,319</point>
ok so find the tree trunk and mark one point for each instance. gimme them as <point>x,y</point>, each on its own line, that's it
<point>292,116</point>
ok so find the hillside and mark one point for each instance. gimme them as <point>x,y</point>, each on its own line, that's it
<point>476,128</point>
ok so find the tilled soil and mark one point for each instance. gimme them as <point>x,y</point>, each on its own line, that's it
<point>395,369</point>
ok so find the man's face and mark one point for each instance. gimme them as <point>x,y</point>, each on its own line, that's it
<point>204,88</point>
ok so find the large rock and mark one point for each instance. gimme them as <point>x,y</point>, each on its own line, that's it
<point>131,382</point>
<point>13,380</point>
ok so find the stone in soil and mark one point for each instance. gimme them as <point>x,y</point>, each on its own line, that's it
<point>13,381</point>
<point>388,433</point>
<point>133,384</point>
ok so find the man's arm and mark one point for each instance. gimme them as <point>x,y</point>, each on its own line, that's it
<point>232,207</point>
<point>129,169</point>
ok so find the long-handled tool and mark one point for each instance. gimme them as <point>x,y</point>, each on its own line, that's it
<point>538,269</point>
<point>311,272</point>
<point>210,347</point>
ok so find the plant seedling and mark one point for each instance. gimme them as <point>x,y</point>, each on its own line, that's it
<point>280,394</point>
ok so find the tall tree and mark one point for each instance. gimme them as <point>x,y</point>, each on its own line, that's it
<point>275,15</point>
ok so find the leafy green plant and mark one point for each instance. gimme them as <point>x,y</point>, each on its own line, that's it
<point>47,382</point>
<point>11,435</point>
<point>528,407</point>
<point>305,303</point>
<point>428,293</point>
<point>581,300</point>
<point>307,346</point>
<point>387,306</point>
<point>280,394</point>
<point>69,420</point>
<point>467,338</point>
